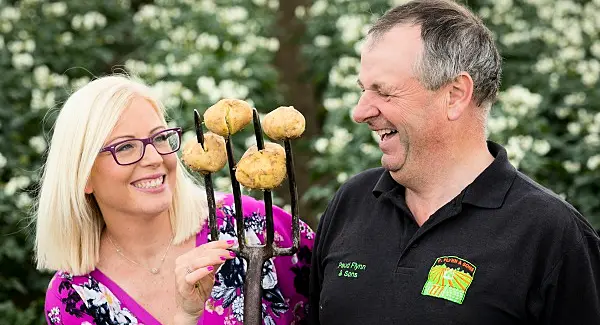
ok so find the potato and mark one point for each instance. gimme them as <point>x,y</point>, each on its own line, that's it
<point>284,122</point>
<point>228,116</point>
<point>264,169</point>
<point>208,160</point>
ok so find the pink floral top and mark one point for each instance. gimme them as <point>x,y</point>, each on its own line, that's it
<point>95,299</point>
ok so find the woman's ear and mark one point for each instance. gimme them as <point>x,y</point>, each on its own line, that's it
<point>88,188</point>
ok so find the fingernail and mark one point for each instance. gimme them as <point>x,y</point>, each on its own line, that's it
<point>230,242</point>
<point>232,253</point>
<point>223,258</point>
<point>210,268</point>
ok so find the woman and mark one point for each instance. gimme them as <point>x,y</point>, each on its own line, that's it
<point>125,226</point>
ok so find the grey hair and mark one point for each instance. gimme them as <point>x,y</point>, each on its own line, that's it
<point>455,40</point>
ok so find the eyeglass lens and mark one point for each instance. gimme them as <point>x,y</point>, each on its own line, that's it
<point>130,151</point>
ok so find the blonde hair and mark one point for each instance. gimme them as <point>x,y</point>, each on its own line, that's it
<point>68,221</point>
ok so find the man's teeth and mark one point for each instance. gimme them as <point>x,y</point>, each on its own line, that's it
<point>382,133</point>
<point>149,183</point>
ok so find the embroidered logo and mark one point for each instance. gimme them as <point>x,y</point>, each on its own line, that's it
<point>350,269</point>
<point>449,278</point>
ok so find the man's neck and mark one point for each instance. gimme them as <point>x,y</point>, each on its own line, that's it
<point>449,177</point>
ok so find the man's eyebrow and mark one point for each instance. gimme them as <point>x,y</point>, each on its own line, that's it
<point>376,86</point>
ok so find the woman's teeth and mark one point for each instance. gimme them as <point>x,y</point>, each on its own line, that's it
<point>149,183</point>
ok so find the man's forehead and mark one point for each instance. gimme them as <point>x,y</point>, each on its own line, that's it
<point>398,36</point>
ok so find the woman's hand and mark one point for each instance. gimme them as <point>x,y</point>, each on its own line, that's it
<point>194,275</point>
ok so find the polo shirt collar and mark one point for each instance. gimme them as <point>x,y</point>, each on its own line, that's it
<point>488,190</point>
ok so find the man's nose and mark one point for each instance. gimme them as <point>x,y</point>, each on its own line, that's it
<point>364,109</point>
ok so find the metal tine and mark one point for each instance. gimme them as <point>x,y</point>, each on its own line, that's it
<point>289,164</point>
<point>208,185</point>
<point>237,198</point>
<point>267,195</point>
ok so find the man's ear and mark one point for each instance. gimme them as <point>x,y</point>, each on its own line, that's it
<point>460,93</point>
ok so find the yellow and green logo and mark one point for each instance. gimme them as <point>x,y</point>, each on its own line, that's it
<point>449,278</point>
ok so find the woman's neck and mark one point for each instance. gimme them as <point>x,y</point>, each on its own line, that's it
<point>139,239</point>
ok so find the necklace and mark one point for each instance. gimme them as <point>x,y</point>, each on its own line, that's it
<point>154,270</point>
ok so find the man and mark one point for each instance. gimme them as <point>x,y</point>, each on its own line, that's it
<point>447,232</point>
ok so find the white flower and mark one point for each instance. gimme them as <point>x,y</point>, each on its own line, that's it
<point>593,162</point>
<point>29,45</point>
<point>341,137</point>
<point>318,8</point>
<point>342,177</point>
<point>574,128</point>
<point>15,184</point>
<point>22,60</point>
<point>207,41</point>
<point>10,13</point>
<point>23,200</point>
<point>66,38</point>
<point>3,161</point>
<point>321,145</point>
<point>592,139</point>
<point>369,150</point>
<point>351,27</point>
<point>571,167</point>
<point>541,147</point>
<point>322,41</point>
<point>233,14</point>
<point>41,75</point>
<point>332,104</point>
<point>38,144</point>
<point>56,9</point>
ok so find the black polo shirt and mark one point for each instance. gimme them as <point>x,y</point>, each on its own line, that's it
<point>504,251</point>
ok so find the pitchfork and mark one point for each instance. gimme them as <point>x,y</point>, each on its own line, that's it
<point>255,255</point>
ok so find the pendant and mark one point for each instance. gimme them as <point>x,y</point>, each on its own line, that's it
<point>154,270</point>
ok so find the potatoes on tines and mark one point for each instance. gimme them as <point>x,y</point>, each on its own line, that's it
<point>228,116</point>
<point>284,122</point>
<point>264,169</point>
<point>208,160</point>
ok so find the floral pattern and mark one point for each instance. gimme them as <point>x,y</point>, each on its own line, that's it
<point>88,299</point>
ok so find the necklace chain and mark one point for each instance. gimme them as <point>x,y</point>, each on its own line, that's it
<point>153,270</point>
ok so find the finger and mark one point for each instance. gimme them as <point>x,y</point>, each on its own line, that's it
<point>201,250</point>
<point>212,258</point>
<point>209,257</point>
<point>206,272</point>
<point>224,244</point>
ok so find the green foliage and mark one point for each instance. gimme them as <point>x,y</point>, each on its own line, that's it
<point>194,52</point>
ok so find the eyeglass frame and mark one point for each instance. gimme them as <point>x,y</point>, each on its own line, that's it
<point>145,142</point>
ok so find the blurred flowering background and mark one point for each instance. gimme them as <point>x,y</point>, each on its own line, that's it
<point>279,52</point>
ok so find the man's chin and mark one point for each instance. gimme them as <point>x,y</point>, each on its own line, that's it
<point>391,165</point>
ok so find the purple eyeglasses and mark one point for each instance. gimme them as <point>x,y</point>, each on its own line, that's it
<point>130,151</point>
